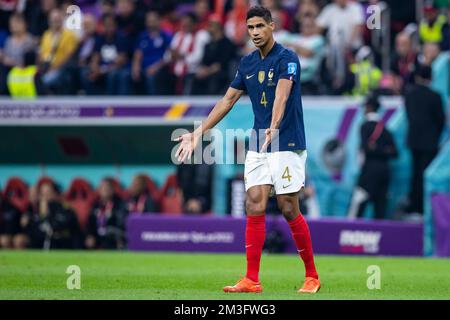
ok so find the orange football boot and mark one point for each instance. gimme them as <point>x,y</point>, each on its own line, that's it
<point>244,285</point>
<point>311,285</point>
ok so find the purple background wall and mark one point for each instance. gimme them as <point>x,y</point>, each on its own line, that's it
<point>226,234</point>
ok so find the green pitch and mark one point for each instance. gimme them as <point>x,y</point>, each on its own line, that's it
<point>127,275</point>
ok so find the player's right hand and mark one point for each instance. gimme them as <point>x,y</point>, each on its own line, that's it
<point>187,146</point>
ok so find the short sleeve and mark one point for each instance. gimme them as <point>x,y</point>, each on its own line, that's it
<point>238,81</point>
<point>290,68</point>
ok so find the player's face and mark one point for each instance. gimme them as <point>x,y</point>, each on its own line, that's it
<point>259,31</point>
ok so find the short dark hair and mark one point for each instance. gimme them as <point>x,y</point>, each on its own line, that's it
<point>259,11</point>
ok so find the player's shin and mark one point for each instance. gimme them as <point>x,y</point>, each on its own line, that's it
<point>302,238</point>
<point>255,235</point>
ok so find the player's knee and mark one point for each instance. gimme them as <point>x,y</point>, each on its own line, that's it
<point>288,209</point>
<point>255,207</point>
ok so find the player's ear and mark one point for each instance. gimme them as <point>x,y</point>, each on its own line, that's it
<point>272,25</point>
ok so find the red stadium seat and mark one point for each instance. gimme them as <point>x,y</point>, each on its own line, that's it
<point>16,190</point>
<point>80,196</point>
<point>152,189</point>
<point>170,201</point>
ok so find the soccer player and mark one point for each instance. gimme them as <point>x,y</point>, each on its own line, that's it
<point>271,78</point>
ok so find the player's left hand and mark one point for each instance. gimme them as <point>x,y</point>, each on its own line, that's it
<point>270,133</point>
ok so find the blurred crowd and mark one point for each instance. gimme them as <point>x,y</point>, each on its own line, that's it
<point>156,47</point>
<point>46,217</point>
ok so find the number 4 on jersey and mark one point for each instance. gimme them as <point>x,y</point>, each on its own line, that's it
<point>264,101</point>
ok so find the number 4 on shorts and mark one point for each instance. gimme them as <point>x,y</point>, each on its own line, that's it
<point>286,174</point>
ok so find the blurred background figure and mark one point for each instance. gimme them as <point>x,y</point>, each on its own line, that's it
<point>148,56</point>
<point>426,120</point>
<point>404,62</point>
<point>310,48</point>
<point>365,75</point>
<point>186,51</point>
<point>56,49</point>
<point>195,182</point>
<point>49,222</point>
<point>11,232</point>
<point>108,72</point>
<point>213,74</point>
<point>140,200</point>
<point>343,20</point>
<point>23,80</point>
<point>16,45</point>
<point>106,223</point>
<point>377,148</point>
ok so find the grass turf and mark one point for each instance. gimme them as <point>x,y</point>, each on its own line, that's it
<point>169,276</point>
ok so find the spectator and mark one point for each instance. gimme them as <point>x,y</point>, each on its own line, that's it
<point>129,21</point>
<point>195,181</point>
<point>23,81</point>
<point>186,51</point>
<point>430,51</point>
<point>202,12</point>
<point>57,48</point>
<point>344,21</point>
<point>106,222</point>
<point>274,7</point>
<point>19,42</point>
<point>170,21</point>
<point>366,75</point>
<point>377,148</point>
<point>107,8</point>
<point>7,8</point>
<point>14,47</point>
<point>140,200</point>
<point>404,62</point>
<point>149,53</point>
<point>235,25</point>
<point>432,24</point>
<point>11,233</point>
<point>426,120</point>
<point>38,14</point>
<point>310,47</point>
<point>305,9</point>
<point>108,72</point>
<point>51,223</point>
<point>86,48</point>
<point>213,74</point>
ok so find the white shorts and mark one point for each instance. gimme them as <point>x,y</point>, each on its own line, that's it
<point>285,170</point>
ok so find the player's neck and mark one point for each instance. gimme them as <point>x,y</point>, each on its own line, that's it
<point>264,51</point>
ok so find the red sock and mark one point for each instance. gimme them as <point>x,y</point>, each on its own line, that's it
<point>255,234</point>
<point>302,238</point>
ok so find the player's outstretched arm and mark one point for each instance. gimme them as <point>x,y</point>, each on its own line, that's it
<point>282,93</point>
<point>190,140</point>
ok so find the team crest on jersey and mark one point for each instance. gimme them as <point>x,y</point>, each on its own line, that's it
<point>261,76</point>
<point>270,78</point>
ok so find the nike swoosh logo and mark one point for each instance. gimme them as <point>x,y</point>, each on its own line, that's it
<point>299,251</point>
<point>248,246</point>
<point>284,187</point>
<point>248,77</point>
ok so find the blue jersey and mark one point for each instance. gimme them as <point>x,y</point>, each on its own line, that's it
<point>259,77</point>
